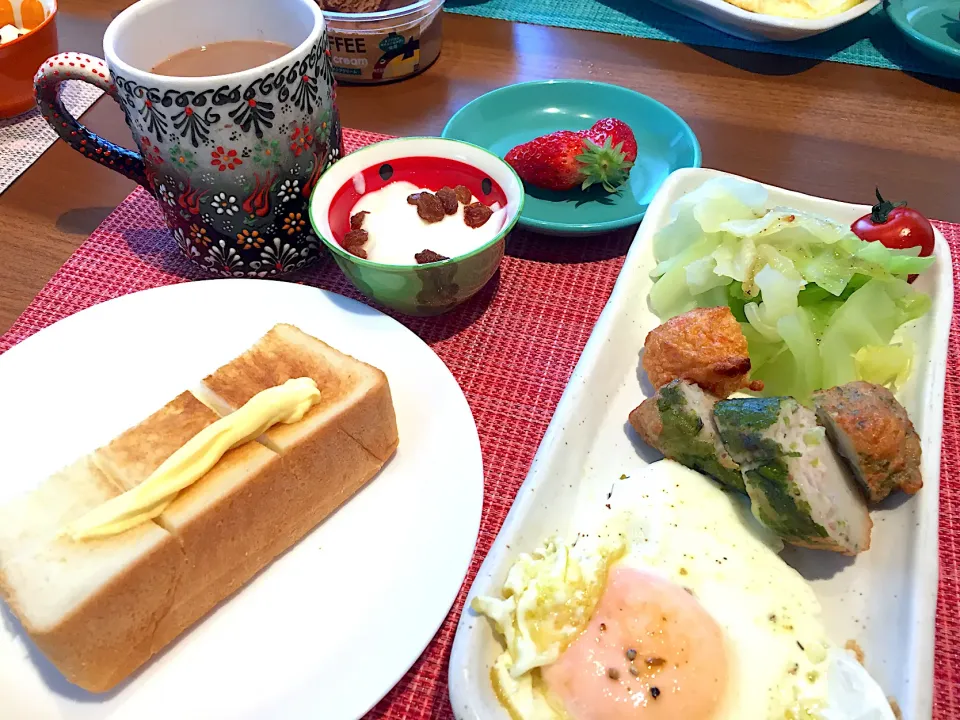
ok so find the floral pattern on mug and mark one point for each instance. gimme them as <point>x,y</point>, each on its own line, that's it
<point>224,203</point>
<point>232,165</point>
<point>301,139</point>
<point>151,153</point>
<point>280,257</point>
<point>166,195</point>
<point>182,158</point>
<point>247,239</point>
<point>289,190</point>
<point>294,223</point>
<point>223,159</point>
<point>266,152</point>
<point>224,260</point>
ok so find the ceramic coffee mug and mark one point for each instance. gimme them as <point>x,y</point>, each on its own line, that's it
<point>231,158</point>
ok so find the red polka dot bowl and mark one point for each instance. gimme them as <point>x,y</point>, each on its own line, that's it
<point>426,287</point>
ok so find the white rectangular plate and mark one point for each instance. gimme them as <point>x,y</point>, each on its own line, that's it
<point>885,599</point>
<point>748,25</point>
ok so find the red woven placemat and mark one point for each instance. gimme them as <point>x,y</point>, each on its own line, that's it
<point>512,348</point>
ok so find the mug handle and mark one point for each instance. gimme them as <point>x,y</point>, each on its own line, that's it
<point>89,69</point>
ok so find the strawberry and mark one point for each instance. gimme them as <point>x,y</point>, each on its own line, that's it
<point>620,136</point>
<point>564,159</point>
<point>549,161</point>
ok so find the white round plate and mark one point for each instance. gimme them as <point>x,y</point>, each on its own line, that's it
<point>332,625</point>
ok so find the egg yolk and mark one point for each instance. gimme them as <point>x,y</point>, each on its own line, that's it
<point>649,651</point>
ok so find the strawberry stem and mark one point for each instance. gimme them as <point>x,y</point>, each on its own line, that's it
<point>604,165</point>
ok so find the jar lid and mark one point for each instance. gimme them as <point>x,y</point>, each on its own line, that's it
<point>385,9</point>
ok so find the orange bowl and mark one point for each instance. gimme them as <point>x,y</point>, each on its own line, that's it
<point>21,58</point>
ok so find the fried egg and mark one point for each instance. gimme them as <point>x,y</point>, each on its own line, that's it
<point>671,602</point>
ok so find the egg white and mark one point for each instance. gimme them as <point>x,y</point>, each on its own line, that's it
<point>682,526</point>
<point>670,521</point>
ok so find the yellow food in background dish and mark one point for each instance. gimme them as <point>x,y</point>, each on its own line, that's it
<point>672,603</point>
<point>801,9</point>
<point>286,403</point>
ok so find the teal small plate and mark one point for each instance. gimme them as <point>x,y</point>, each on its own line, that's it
<point>504,118</point>
<point>931,26</point>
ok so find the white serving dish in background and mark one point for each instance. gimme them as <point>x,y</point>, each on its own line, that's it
<point>884,599</point>
<point>741,23</point>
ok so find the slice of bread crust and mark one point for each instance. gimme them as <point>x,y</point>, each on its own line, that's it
<point>92,607</point>
<point>132,456</point>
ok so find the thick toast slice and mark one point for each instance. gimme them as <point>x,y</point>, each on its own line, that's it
<point>100,608</point>
<point>93,607</point>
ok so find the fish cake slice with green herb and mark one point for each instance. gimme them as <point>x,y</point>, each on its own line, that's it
<point>798,485</point>
<point>678,421</point>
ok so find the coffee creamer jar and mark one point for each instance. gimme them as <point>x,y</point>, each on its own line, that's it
<point>376,41</point>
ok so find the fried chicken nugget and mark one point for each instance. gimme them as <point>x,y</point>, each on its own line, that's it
<point>704,346</point>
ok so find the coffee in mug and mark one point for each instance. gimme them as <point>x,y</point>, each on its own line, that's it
<point>232,138</point>
<point>222,58</point>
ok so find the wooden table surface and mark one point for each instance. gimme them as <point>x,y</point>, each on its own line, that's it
<point>822,128</point>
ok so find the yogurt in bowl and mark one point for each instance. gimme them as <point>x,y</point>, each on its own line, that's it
<point>417,224</point>
<point>394,228</point>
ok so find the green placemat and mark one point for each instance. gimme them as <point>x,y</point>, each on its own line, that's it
<point>869,40</point>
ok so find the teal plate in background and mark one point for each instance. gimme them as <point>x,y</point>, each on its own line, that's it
<point>505,118</point>
<point>931,26</point>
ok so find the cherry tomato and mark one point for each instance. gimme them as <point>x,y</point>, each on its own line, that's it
<point>896,226</point>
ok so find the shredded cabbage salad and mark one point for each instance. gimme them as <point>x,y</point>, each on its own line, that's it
<point>818,305</point>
